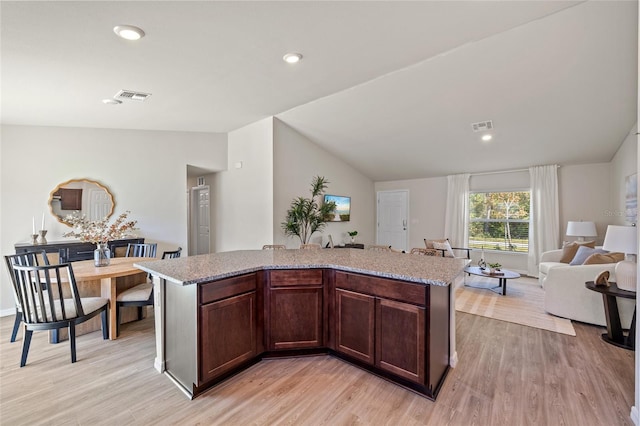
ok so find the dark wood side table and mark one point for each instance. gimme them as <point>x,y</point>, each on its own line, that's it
<point>614,334</point>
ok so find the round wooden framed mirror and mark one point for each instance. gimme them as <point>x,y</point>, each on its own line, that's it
<point>85,196</point>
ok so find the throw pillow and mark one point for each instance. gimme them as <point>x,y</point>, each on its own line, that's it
<point>429,243</point>
<point>569,250</point>
<point>582,253</point>
<point>600,258</point>
<point>444,246</point>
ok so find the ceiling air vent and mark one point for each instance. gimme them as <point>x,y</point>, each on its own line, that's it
<point>130,95</point>
<point>482,126</point>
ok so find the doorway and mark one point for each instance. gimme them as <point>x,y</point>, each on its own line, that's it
<point>393,224</point>
<point>200,220</point>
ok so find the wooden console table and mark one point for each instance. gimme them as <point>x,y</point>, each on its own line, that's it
<point>614,334</point>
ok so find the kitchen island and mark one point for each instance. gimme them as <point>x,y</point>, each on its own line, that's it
<point>389,313</point>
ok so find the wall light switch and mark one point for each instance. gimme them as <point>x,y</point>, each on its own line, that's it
<point>238,165</point>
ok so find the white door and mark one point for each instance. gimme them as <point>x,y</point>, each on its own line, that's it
<point>99,204</point>
<point>392,219</point>
<point>201,219</point>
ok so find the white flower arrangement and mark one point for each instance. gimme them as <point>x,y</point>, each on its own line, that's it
<point>99,231</point>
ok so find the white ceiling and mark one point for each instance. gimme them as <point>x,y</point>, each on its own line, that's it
<point>390,87</point>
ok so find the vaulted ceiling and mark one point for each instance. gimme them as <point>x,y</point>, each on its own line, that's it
<point>390,87</point>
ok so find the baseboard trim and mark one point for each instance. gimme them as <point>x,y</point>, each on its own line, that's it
<point>634,416</point>
<point>7,312</point>
<point>453,360</point>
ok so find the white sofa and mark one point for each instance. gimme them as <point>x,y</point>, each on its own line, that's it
<point>565,294</point>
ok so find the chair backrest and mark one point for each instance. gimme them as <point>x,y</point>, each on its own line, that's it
<point>425,252</point>
<point>310,246</point>
<point>40,292</point>
<point>141,250</point>
<point>172,254</point>
<point>379,248</point>
<point>274,247</point>
<point>28,258</point>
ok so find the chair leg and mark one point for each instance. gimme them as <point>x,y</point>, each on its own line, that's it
<point>105,324</point>
<point>16,326</point>
<point>26,341</point>
<point>140,313</point>
<point>72,341</point>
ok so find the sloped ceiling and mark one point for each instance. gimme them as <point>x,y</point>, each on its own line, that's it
<point>390,87</point>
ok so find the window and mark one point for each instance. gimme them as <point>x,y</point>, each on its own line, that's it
<point>499,221</point>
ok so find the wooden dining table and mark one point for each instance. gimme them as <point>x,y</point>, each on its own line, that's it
<point>119,275</point>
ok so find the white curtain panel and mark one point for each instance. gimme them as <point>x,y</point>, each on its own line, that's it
<point>456,222</point>
<point>544,225</point>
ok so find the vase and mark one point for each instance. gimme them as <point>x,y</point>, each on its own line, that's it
<point>102,255</point>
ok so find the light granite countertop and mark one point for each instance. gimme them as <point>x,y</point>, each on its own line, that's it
<point>402,266</point>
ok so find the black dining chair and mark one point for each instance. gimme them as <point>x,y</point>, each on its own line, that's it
<point>28,258</point>
<point>39,290</point>
<point>140,295</point>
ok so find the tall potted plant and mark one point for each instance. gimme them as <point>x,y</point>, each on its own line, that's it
<point>308,215</point>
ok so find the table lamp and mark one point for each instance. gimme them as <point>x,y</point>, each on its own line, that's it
<point>624,239</point>
<point>581,229</point>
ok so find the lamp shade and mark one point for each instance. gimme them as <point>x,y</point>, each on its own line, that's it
<point>622,239</point>
<point>581,229</point>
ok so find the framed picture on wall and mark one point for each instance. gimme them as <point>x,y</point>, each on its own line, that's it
<point>631,198</point>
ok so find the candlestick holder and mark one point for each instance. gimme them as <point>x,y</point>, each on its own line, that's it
<point>34,239</point>
<point>43,239</point>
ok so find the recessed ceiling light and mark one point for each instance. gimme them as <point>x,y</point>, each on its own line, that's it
<point>487,138</point>
<point>110,101</point>
<point>128,32</point>
<point>292,58</point>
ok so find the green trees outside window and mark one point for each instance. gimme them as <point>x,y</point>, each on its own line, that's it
<point>499,220</point>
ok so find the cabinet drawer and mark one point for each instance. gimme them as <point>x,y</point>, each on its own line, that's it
<point>297,277</point>
<point>80,252</point>
<point>401,291</point>
<point>218,290</point>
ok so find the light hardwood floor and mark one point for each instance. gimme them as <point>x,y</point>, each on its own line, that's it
<point>508,374</point>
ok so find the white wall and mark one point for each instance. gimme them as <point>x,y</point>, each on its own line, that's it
<point>296,161</point>
<point>624,164</point>
<point>144,170</point>
<point>242,198</point>
<point>585,193</point>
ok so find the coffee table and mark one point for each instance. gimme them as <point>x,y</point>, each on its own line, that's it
<point>502,277</point>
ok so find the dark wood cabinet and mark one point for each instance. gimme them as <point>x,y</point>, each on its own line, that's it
<point>295,310</point>
<point>228,334</point>
<point>396,329</point>
<point>400,334</point>
<point>355,325</point>
<point>228,325</point>
<point>389,334</point>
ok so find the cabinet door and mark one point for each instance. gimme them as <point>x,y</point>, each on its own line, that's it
<point>400,346</point>
<point>295,319</point>
<point>355,325</point>
<point>227,334</point>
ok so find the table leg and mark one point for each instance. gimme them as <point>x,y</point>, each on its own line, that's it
<point>631,337</point>
<point>614,328</point>
<point>108,291</point>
